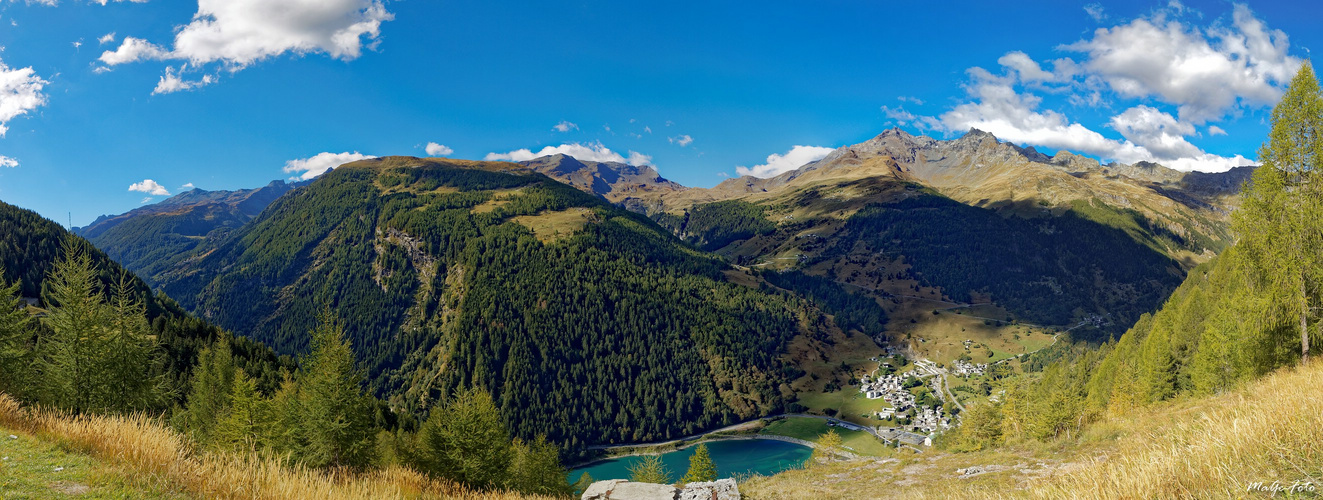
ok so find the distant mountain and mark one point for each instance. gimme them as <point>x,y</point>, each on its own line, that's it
<point>624,184</point>
<point>587,322</point>
<point>1055,240</point>
<point>151,239</point>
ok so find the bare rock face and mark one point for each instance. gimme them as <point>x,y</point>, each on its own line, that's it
<point>620,489</point>
<point>722,489</point>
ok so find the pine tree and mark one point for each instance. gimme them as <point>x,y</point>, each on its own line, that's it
<point>649,469</point>
<point>1278,222</point>
<point>15,336</point>
<point>68,357</point>
<point>535,469</point>
<point>242,426</point>
<point>337,415</point>
<point>464,441</point>
<point>133,360</point>
<point>209,394</point>
<point>701,468</point>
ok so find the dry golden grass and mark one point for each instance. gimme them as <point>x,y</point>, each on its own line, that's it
<point>551,225</point>
<point>1270,431</point>
<point>157,456</point>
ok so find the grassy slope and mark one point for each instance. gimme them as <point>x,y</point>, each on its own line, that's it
<point>142,451</point>
<point>1217,447</point>
<point>36,468</point>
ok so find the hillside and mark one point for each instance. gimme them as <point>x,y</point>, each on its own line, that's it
<point>588,323</point>
<point>29,249</point>
<point>920,223</point>
<point>1265,432</point>
<point>152,238</point>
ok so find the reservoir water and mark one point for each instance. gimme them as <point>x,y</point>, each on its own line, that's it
<point>735,457</point>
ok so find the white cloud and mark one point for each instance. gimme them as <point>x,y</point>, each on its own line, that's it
<point>150,187</point>
<point>187,187</point>
<point>434,149</point>
<point>171,82</point>
<point>20,92</point>
<point>915,100</point>
<point>777,164</point>
<point>103,2</point>
<point>585,152</point>
<point>647,129</point>
<point>636,158</point>
<point>241,32</point>
<point>145,200</point>
<point>78,44</point>
<point>238,33</point>
<point>107,38</point>
<point>1095,11</point>
<point>322,163</point>
<point>565,126</point>
<point>8,162</point>
<point>1203,72</point>
<point>131,50</point>
<point>683,140</point>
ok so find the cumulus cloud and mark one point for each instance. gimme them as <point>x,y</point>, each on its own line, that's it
<point>1205,72</point>
<point>434,149</point>
<point>171,82</point>
<point>106,38</point>
<point>20,92</point>
<point>778,164</point>
<point>683,140</point>
<point>131,50</point>
<point>565,126</point>
<point>150,187</point>
<point>8,162</point>
<point>322,163</point>
<point>187,187</point>
<point>238,33</point>
<point>586,152</point>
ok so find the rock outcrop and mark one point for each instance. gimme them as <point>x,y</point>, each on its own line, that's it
<point>620,489</point>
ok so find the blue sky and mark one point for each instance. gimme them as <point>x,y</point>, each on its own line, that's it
<point>225,94</point>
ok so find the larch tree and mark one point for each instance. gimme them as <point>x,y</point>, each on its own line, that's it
<point>15,335</point>
<point>337,415</point>
<point>78,317</point>
<point>701,468</point>
<point>1280,222</point>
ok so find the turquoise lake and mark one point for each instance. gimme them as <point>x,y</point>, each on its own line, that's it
<point>742,457</point>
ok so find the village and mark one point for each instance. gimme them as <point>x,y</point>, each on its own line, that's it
<point>921,415</point>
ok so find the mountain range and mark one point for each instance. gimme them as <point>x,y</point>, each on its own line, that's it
<point>601,303</point>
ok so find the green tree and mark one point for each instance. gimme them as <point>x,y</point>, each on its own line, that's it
<point>15,336</point>
<point>69,356</point>
<point>464,441</point>
<point>209,393</point>
<point>535,469</point>
<point>242,427</point>
<point>133,360</point>
<point>1278,222</point>
<point>650,469</point>
<point>337,415</point>
<point>701,468</point>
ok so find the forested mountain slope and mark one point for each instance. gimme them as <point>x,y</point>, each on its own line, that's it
<point>30,245</point>
<point>586,322</point>
<point>151,239</point>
